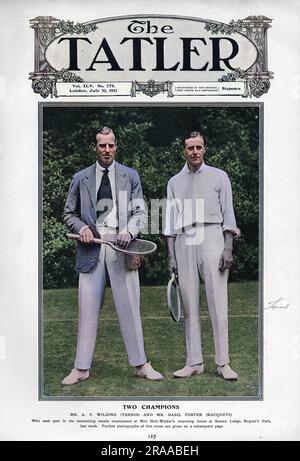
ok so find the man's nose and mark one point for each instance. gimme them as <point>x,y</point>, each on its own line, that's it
<point>107,148</point>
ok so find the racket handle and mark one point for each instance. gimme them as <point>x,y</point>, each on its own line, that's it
<point>77,237</point>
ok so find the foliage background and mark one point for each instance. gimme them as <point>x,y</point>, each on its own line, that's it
<point>148,140</point>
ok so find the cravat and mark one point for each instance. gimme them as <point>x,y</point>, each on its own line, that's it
<point>104,194</point>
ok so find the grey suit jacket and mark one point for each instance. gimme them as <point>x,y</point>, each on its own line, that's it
<point>80,209</point>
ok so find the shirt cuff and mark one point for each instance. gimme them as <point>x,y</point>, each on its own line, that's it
<point>234,230</point>
<point>169,233</point>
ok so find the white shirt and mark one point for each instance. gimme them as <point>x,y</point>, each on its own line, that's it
<point>111,220</point>
<point>202,197</point>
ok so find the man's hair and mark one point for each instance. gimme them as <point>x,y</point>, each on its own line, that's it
<point>105,130</point>
<point>192,134</point>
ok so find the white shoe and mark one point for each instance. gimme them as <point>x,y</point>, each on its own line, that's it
<point>75,376</point>
<point>227,373</point>
<point>188,371</point>
<point>148,372</point>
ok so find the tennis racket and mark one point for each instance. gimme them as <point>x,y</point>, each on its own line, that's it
<point>135,247</point>
<point>174,298</point>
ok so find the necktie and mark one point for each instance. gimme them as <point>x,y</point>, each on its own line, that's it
<point>104,197</point>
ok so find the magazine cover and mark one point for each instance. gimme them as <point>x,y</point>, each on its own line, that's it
<point>149,200</point>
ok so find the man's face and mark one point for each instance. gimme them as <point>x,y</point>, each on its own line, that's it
<point>106,149</point>
<point>194,151</point>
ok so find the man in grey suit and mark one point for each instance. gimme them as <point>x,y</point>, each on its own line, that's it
<point>200,225</point>
<point>106,201</point>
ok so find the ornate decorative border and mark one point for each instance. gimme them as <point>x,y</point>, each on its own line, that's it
<point>47,28</point>
<point>228,29</point>
<point>68,27</point>
<point>255,86</point>
<point>46,85</point>
<point>151,88</point>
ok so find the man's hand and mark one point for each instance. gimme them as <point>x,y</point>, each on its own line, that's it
<point>172,265</point>
<point>226,259</point>
<point>237,234</point>
<point>123,239</point>
<point>172,257</point>
<point>133,262</point>
<point>86,236</point>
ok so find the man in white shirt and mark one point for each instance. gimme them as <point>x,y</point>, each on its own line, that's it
<point>200,226</point>
<point>106,201</point>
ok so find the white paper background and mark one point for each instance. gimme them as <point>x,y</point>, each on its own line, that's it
<point>19,225</point>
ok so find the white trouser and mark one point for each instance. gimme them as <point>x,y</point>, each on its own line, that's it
<point>203,259</point>
<point>126,294</point>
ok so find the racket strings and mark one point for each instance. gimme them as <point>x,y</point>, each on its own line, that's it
<point>141,246</point>
<point>175,300</point>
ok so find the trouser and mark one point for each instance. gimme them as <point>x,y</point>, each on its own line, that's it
<point>126,294</point>
<point>203,259</point>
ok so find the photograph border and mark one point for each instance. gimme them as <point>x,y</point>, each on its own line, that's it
<point>260,394</point>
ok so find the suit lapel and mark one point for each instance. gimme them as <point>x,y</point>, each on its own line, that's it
<point>90,181</point>
<point>121,180</point>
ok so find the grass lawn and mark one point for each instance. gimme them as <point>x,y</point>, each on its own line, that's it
<point>112,376</point>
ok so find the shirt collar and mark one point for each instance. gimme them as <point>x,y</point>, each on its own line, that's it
<point>101,168</point>
<point>187,170</point>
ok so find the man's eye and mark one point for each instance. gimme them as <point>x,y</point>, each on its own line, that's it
<point>191,148</point>
<point>102,146</point>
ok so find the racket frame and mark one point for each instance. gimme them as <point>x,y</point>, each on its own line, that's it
<point>116,247</point>
<point>170,283</point>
